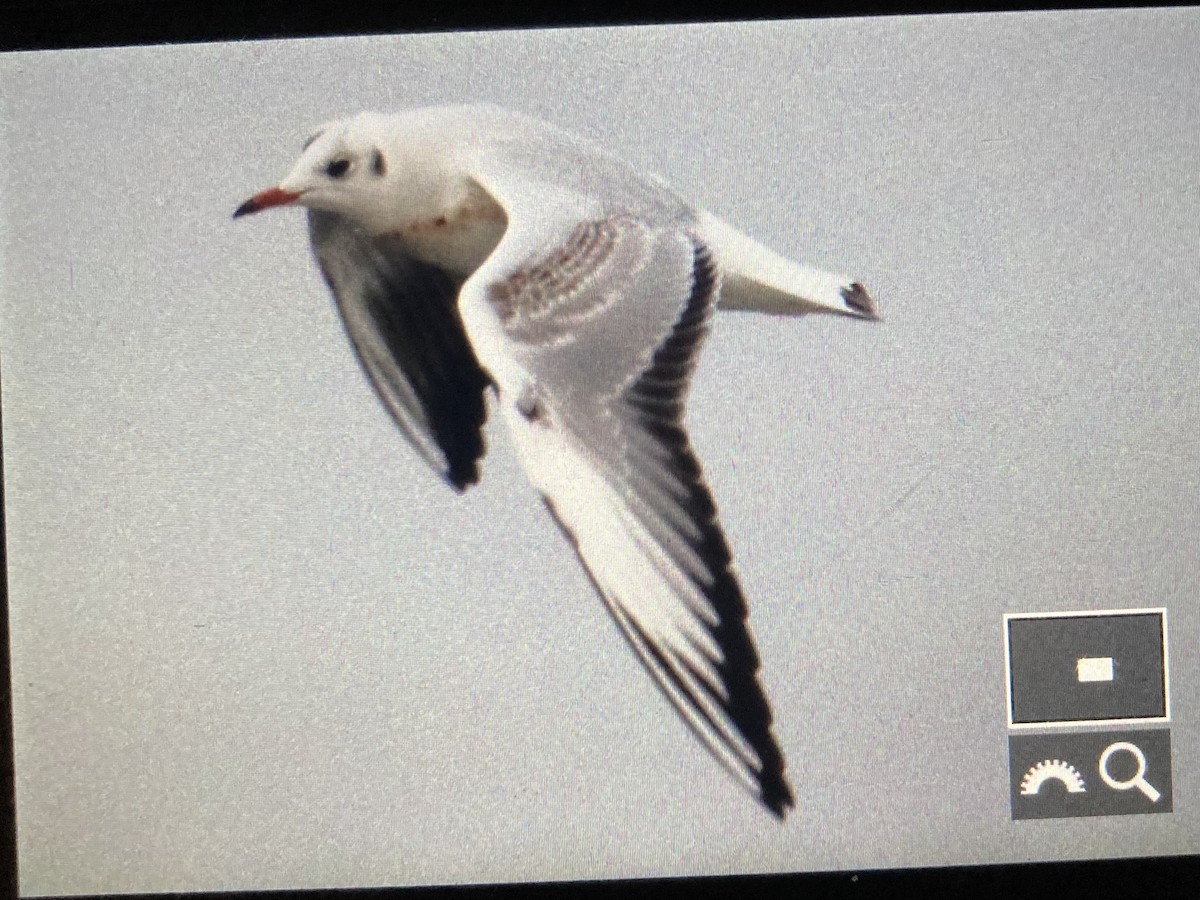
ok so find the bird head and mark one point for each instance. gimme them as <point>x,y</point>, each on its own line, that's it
<point>343,168</point>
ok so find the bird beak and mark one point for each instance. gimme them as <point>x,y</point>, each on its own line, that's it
<point>268,198</point>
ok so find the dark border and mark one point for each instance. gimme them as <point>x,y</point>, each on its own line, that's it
<point>8,798</point>
<point>47,24</point>
<point>1057,724</point>
<point>1142,878</point>
<point>61,24</point>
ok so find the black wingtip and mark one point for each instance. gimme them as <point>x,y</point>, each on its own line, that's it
<point>464,456</point>
<point>860,303</point>
<point>777,797</point>
<point>460,481</point>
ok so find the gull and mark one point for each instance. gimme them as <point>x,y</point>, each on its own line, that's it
<point>472,249</point>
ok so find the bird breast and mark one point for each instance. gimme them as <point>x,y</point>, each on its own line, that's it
<point>460,237</point>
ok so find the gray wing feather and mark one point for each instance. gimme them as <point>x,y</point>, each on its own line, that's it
<point>401,315</point>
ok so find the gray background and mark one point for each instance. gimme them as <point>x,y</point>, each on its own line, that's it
<point>256,644</point>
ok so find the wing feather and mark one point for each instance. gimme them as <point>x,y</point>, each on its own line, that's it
<point>402,318</point>
<point>590,314</point>
<point>610,455</point>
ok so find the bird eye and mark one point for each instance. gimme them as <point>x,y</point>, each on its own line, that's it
<point>338,168</point>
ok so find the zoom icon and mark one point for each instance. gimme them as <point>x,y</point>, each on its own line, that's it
<point>1138,780</point>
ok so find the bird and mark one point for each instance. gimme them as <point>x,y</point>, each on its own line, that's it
<point>474,251</point>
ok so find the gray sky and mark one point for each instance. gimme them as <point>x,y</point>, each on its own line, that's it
<point>256,644</point>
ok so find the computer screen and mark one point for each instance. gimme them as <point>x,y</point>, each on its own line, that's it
<point>623,452</point>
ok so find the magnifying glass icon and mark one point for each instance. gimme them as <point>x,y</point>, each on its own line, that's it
<point>1139,777</point>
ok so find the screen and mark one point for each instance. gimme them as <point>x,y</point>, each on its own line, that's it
<point>263,637</point>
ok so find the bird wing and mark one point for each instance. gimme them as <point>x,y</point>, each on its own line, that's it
<point>402,317</point>
<point>597,324</point>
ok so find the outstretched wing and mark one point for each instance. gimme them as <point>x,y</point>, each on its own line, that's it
<point>403,319</point>
<point>597,330</point>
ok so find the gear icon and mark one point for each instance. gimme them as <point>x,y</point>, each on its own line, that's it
<point>1052,768</point>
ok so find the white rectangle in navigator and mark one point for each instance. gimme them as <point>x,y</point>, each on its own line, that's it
<point>1094,668</point>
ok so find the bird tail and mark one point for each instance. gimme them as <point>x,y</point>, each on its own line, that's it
<point>759,280</point>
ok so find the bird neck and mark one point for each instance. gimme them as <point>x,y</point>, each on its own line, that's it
<point>456,228</point>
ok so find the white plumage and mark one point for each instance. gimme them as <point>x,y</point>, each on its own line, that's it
<point>471,247</point>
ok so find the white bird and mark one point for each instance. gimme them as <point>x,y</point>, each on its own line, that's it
<point>470,247</point>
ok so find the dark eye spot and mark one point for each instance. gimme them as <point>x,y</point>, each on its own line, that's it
<point>378,166</point>
<point>338,168</point>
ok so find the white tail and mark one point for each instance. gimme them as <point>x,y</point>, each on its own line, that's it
<point>760,280</point>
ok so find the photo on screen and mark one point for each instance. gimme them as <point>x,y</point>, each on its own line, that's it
<point>602,453</point>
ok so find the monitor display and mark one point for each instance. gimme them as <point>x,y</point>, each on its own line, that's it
<point>602,453</point>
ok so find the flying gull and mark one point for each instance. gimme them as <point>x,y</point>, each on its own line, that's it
<point>471,247</point>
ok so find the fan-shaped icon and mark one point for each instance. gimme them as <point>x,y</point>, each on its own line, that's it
<point>1056,769</point>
